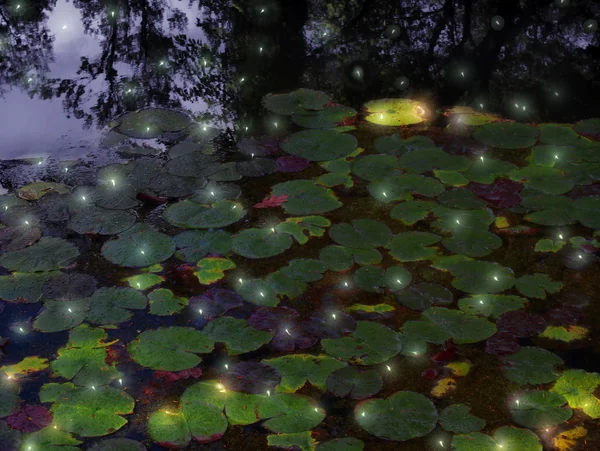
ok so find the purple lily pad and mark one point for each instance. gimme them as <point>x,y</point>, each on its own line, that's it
<point>565,315</point>
<point>251,377</point>
<point>68,287</point>
<point>292,163</point>
<point>30,419</point>
<point>271,318</point>
<point>260,147</point>
<point>500,194</point>
<point>289,338</point>
<point>503,343</point>
<point>521,323</point>
<point>328,326</point>
<point>215,302</point>
<point>584,190</point>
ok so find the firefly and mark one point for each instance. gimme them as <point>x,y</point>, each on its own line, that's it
<point>262,294</point>
<point>241,281</point>
<point>70,311</point>
<point>66,169</point>
<point>262,10</point>
<point>499,445</point>
<point>83,197</point>
<point>64,27</point>
<point>316,410</point>
<point>204,61</point>
<point>415,353</point>
<point>497,23</point>
<point>220,387</point>
<point>251,155</point>
<point>147,129</point>
<point>55,427</point>
<point>161,63</point>
<point>39,162</point>
<point>18,6</point>
<point>496,278</point>
<point>143,253</point>
<point>113,182</point>
<point>333,314</point>
<point>139,286</point>
<point>381,116</point>
<point>462,73</point>
<point>129,90</point>
<point>226,366</point>
<point>590,26</point>
<point>29,79</point>
<point>547,429</point>
<point>560,237</point>
<point>517,401</point>
<point>524,108</point>
<point>120,381</point>
<point>481,158</point>
<point>346,283</point>
<point>402,82</point>
<point>288,332</point>
<point>200,311</point>
<point>393,31</point>
<point>21,330</point>
<point>268,392</point>
<point>458,222</point>
<point>212,193</point>
<point>556,157</point>
<point>556,94</point>
<point>389,368</point>
<point>580,256</point>
<point>272,229</point>
<point>242,80</point>
<point>358,73</point>
<point>398,280</point>
<point>27,222</point>
<point>384,195</point>
<point>517,105</point>
<point>112,14</point>
<point>481,105</point>
<point>93,388</point>
<point>275,124</point>
<point>260,51</point>
<point>324,34</point>
<point>246,128</point>
<point>233,208</point>
<point>204,128</point>
<point>441,444</point>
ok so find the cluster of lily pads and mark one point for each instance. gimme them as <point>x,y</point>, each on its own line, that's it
<point>425,216</point>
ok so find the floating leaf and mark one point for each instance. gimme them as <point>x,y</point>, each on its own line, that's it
<point>319,145</point>
<point>236,334</point>
<point>536,285</point>
<point>303,441</point>
<point>481,277</point>
<point>412,246</point>
<point>370,344</point>
<point>26,367</point>
<point>393,112</point>
<point>355,383</point>
<point>566,334</point>
<point>288,413</point>
<point>423,295</point>
<point>548,245</point>
<point>403,416</point>
<point>539,409</point>
<point>297,369</point>
<point>531,366</point>
<point>507,135</point>
<point>456,418</point>
<point>258,292</point>
<point>462,328</point>
<point>144,281</point>
<point>292,163</point>
<point>214,302</point>
<point>362,234</point>
<point>113,305</point>
<point>304,270</point>
<point>432,158</point>
<point>57,316</point>
<point>212,269</point>
<point>251,377</point>
<point>296,101</point>
<point>30,419</point>
<point>504,437</point>
<point>164,303</point>
<point>544,179</point>
<point>341,444</point>
<point>395,145</point>
<point>443,387</point>
<point>326,118</point>
<point>567,440</point>
<point>191,215</point>
<point>400,187</point>
<point>412,211</point>
<point>135,124</point>
<point>35,190</point>
<point>578,387</point>
<point>492,305</point>
<point>260,243</point>
<point>101,221</point>
<point>15,238</point>
<point>87,412</point>
<point>521,323</point>
<point>196,244</point>
<point>301,228</point>
<point>24,287</point>
<point>373,167</point>
<point>48,254</point>
<point>170,349</point>
<point>306,198</point>
<point>138,247</point>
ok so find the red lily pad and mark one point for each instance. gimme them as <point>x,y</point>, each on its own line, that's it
<point>521,323</point>
<point>292,163</point>
<point>430,373</point>
<point>500,194</point>
<point>446,354</point>
<point>503,343</point>
<point>215,302</point>
<point>30,419</point>
<point>251,377</point>
<point>170,376</point>
<point>273,201</point>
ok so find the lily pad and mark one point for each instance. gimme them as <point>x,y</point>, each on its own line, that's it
<point>325,118</point>
<point>297,369</point>
<point>403,416</point>
<point>26,367</point>
<point>191,215</point>
<point>251,377</point>
<point>170,349</point>
<point>304,227</point>
<point>151,122</point>
<point>492,305</point>
<point>370,344</point>
<point>539,409</point>
<point>138,247</point>
<point>373,167</point>
<point>536,285</point>
<point>212,269</point>
<point>83,359</point>
<point>412,246</point>
<point>69,286</point>
<point>504,437</point>
<point>544,179</point>
<point>164,303</point>
<point>578,387</point>
<point>144,281</point>
<point>237,335</point>
<point>288,413</point>
<point>57,316</point>
<point>15,238</point>
<point>112,305</point>
<point>260,243</point>
<point>87,412</point>
<point>362,234</point>
<point>48,254</point>
<point>531,366</point>
<point>456,418</point>
<point>258,292</point>
<point>353,382</point>
<point>521,323</point>
<point>342,444</point>
<point>319,145</point>
<point>507,135</point>
<point>215,302</point>
<point>462,328</point>
<point>296,101</point>
<point>473,243</point>
<point>393,112</point>
<point>304,270</point>
<point>303,441</point>
<point>24,287</point>
<point>432,158</point>
<point>35,190</point>
<point>401,186</point>
<point>477,277</point>
<point>423,295</point>
<point>395,145</point>
<point>9,396</point>
<point>196,244</point>
<point>30,419</point>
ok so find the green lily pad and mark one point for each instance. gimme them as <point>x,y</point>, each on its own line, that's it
<point>456,418</point>
<point>297,369</point>
<point>335,179</point>
<point>215,191</point>
<point>492,305</point>
<point>428,159</point>
<point>379,308</point>
<point>536,285</point>
<point>212,269</point>
<point>488,170</point>
<point>319,145</point>
<point>373,167</point>
<point>26,367</point>
<point>362,234</point>
<point>9,396</point>
<point>139,246</point>
<point>285,286</point>
<point>403,416</point>
<point>101,221</point>
<point>374,279</point>
<point>151,122</point>
<point>112,305</point>
<point>326,118</point>
<point>236,334</point>
<point>170,185</point>
<point>304,270</point>
<point>24,287</point>
<point>296,102</point>
<point>395,145</point>
<point>411,211</point>
<point>531,366</point>
<point>337,258</point>
<point>144,281</point>
<point>193,165</point>
<point>412,246</point>
<point>507,437</point>
<point>48,254</point>
<point>36,190</point>
<point>400,187</point>
<point>257,291</point>
<point>170,349</point>
<point>393,112</point>
<point>477,277</point>
<point>256,167</point>
<point>289,413</point>
<point>468,220</point>
<point>507,135</point>
<point>15,238</point>
<point>452,178</point>
<point>544,179</point>
<point>306,198</point>
<point>461,198</point>
<point>473,243</point>
<point>539,409</point>
<point>468,116</point>
<point>566,334</point>
<point>423,295</point>
<point>548,245</point>
<point>191,215</point>
<point>303,441</point>
<point>578,387</point>
<point>558,135</point>
<point>57,316</point>
<point>304,227</point>
<point>260,243</point>
<point>587,211</point>
<point>342,444</point>
<point>369,344</point>
<point>462,328</point>
<point>85,411</point>
<point>227,173</point>
<point>588,127</point>
<point>196,244</point>
<point>164,303</point>
<point>353,382</point>
<point>50,439</point>
<point>82,360</point>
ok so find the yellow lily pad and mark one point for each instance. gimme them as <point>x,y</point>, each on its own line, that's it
<point>28,365</point>
<point>212,269</point>
<point>459,369</point>
<point>566,334</point>
<point>444,387</point>
<point>567,440</point>
<point>394,112</point>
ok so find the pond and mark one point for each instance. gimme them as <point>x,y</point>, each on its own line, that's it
<point>299,225</point>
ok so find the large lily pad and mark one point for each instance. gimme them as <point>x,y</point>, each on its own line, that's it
<point>536,285</point>
<point>196,244</point>
<point>24,287</point>
<point>370,344</point>
<point>9,396</point>
<point>191,215</point>
<point>403,416</point>
<point>492,305</point>
<point>423,295</point>
<point>462,328</point>
<point>170,349</point>
<point>48,254</point>
<point>296,101</point>
<point>531,366</point>
<point>164,303</point>
<point>373,167</point>
<point>101,221</point>
<point>544,179</point>
<point>57,316</point>
<point>326,118</point>
<point>539,409</point>
<point>297,369</point>
<point>306,198</point>
<point>432,158</point>
<point>260,243</point>
<point>35,190</point>
<point>393,112</point>
<point>506,437</point>
<point>362,234</point>
<point>481,277</point>
<point>507,135</point>
<point>355,383</point>
<point>395,145</point>
<point>472,243</point>
<point>151,122</point>
<point>288,413</point>
<point>85,411</point>
<point>236,334</point>
<point>112,305</point>
<point>319,145</point>
<point>304,227</point>
<point>456,418</point>
<point>578,387</point>
<point>139,246</point>
<point>412,246</point>
<point>401,186</point>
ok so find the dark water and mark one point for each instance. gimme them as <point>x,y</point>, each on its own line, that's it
<point>67,69</point>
